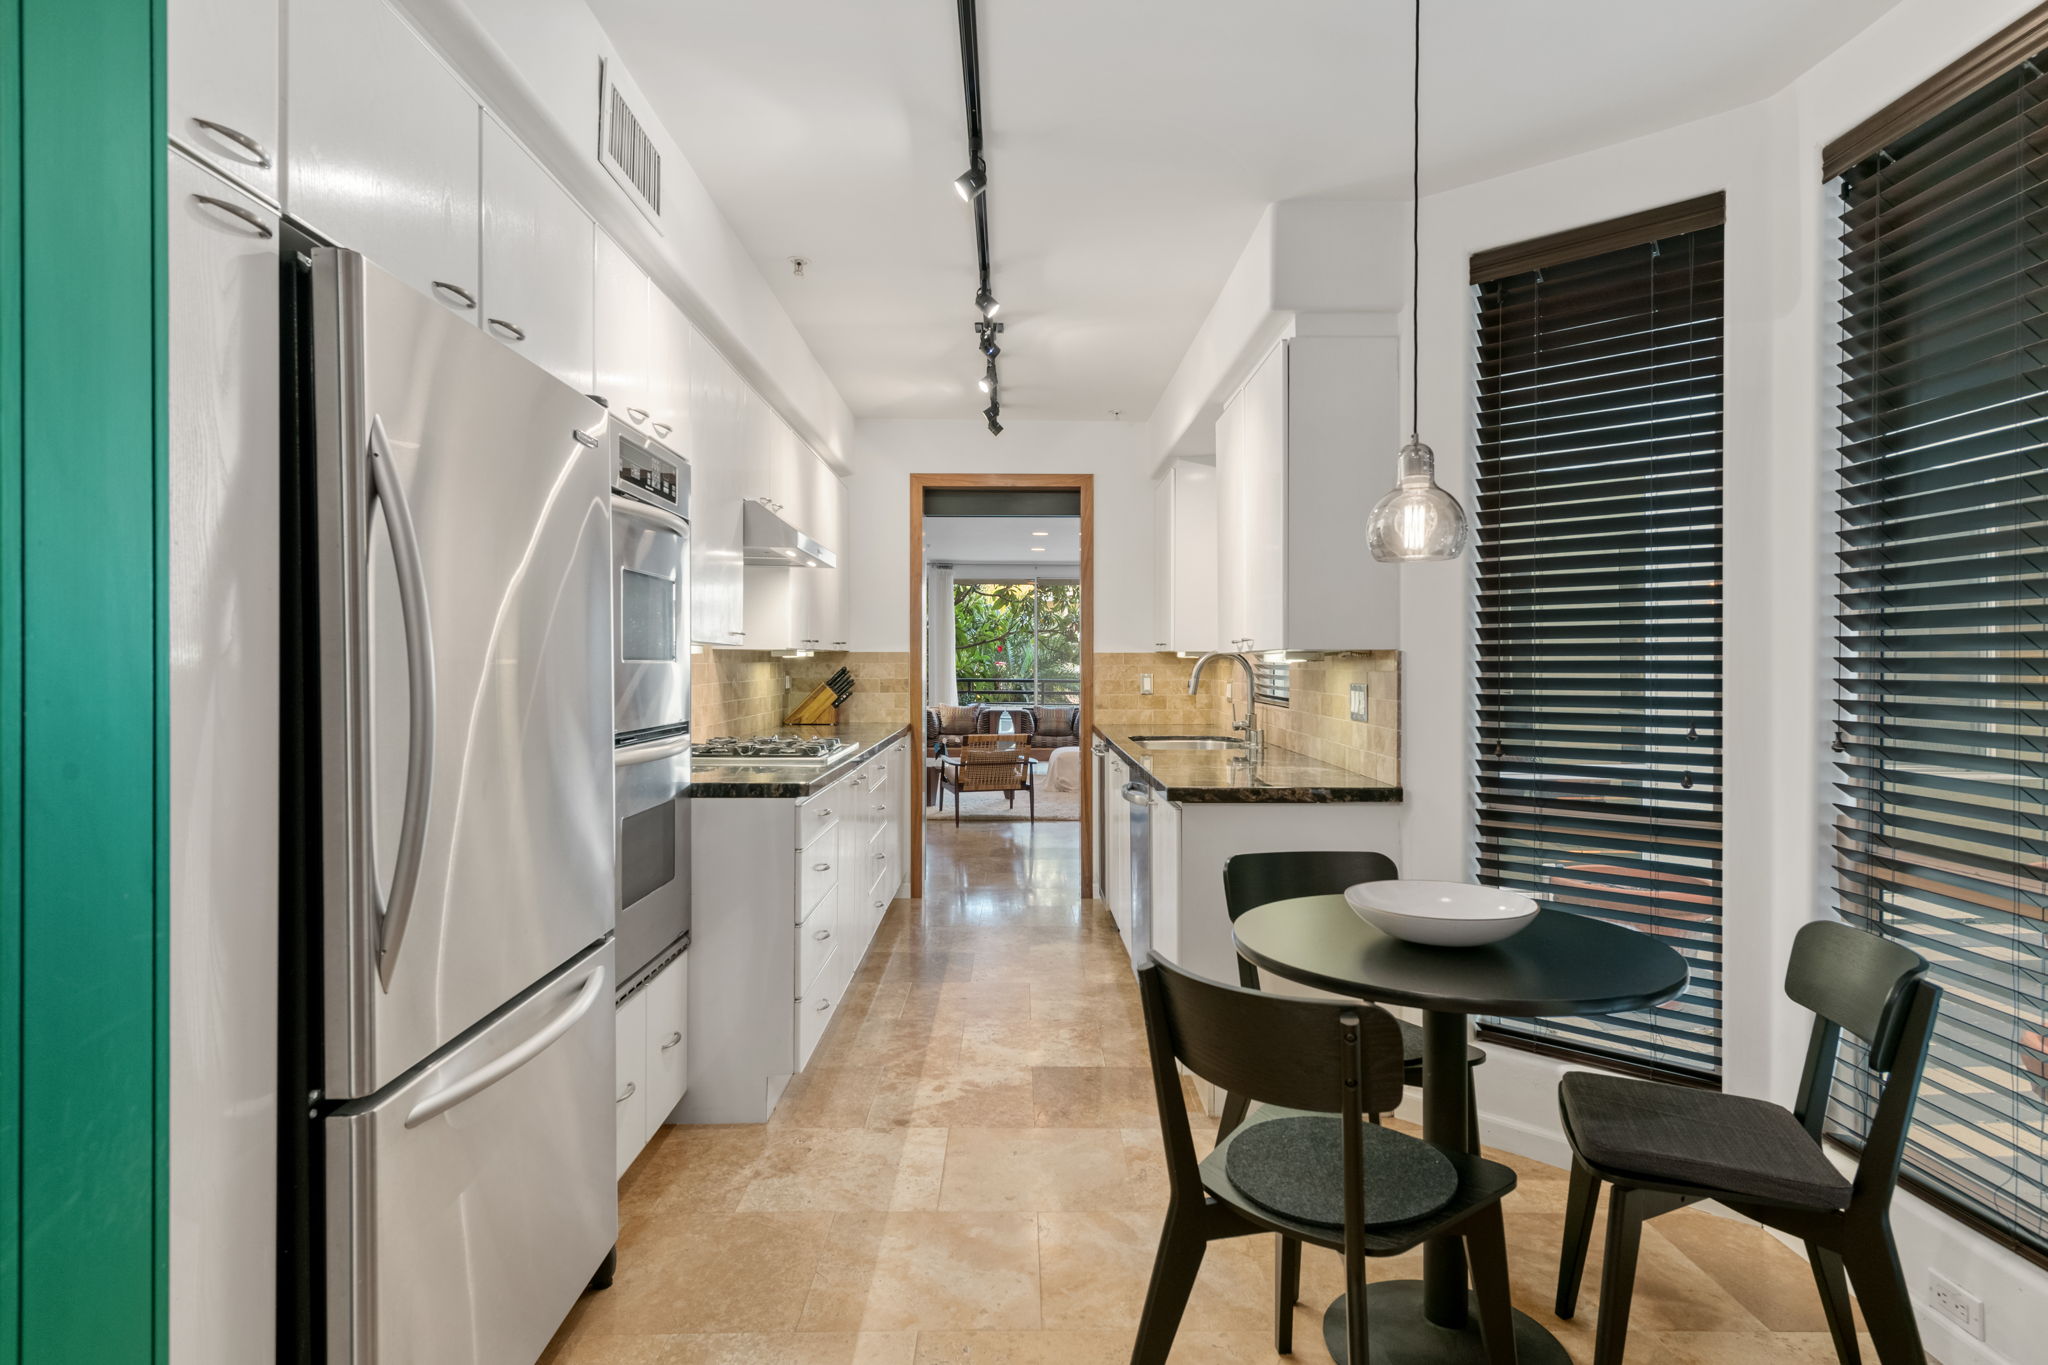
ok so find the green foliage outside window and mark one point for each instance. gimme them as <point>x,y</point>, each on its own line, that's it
<point>1017,630</point>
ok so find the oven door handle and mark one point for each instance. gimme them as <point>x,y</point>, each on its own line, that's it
<point>666,520</point>
<point>394,909</point>
<point>649,753</point>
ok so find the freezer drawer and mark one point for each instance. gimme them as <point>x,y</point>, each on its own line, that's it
<point>466,1213</point>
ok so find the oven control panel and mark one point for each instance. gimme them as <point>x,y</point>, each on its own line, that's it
<point>654,475</point>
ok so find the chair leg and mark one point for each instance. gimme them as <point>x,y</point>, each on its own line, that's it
<point>1486,1243</point>
<point>1471,1113</point>
<point>1580,1206</point>
<point>1618,1276</point>
<point>1833,1283</point>
<point>1887,1306</point>
<point>1234,1109</point>
<point>1166,1298</point>
<point>1286,1292</point>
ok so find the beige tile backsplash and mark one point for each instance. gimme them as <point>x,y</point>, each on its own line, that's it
<point>743,692</point>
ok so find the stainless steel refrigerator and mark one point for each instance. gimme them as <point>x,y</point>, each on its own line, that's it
<point>449,910</point>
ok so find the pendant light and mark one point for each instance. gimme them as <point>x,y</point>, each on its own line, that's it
<point>1417,520</point>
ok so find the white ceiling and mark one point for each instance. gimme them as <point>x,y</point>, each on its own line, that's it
<point>1131,147</point>
<point>1002,540</point>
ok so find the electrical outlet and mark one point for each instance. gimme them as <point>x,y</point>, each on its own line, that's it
<point>1359,709</point>
<point>1955,1303</point>
<point>1144,684</point>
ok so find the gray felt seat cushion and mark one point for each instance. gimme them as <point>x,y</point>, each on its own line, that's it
<point>1673,1134</point>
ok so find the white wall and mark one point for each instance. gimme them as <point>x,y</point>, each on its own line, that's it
<point>887,452</point>
<point>1779,305</point>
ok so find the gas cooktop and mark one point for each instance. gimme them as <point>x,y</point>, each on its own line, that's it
<point>779,748</point>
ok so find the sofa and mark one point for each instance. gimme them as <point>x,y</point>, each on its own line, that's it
<point>1047,727</point>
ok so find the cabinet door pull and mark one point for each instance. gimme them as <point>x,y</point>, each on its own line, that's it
<point>640,415</point>
<point>506,329</point>
<point>821,867</point>
<point>240,139</point>
<point>822,935</point>
<point>824,1005</point>
<point>627,1093</point>
<point>880,904</point>
<point>456,292</point>
<point>257,225</point>
<point>673,1039</point>
<point>662,428</point>
<point>880,856</point>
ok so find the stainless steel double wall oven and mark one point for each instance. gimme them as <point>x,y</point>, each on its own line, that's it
<point>651,699</point>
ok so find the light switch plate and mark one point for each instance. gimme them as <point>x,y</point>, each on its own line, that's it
<point>1144,684</point>
<point>1359,704</point>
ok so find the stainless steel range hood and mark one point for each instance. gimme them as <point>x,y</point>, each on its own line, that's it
<point>769,540</point>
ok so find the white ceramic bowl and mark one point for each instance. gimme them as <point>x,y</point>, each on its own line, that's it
<point>1448,914</point>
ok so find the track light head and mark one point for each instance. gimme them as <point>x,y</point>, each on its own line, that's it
<point>992,411</point>
<point>972,182</point>
<point>995,428</point>
<point>988,345</point>
<point>986,302</point>
<point>988,379</point>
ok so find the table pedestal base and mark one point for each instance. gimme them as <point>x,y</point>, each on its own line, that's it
<point>1402,1336</point>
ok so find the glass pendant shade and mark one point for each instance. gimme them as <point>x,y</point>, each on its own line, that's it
<point>1418,520</point>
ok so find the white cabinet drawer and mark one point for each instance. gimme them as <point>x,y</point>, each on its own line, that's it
<point>667,1044</point>
<point>817,940</point>
<point>813,1012</point>
<point>629,1096</point>
<point>817,873</point>
<point>822,812</point>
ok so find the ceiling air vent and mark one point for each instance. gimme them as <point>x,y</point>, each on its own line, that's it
<point>623,146</point>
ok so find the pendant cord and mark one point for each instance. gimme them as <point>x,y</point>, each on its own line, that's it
<point>1415,243</point>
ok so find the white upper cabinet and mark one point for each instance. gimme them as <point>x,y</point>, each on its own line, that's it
<point>221,60</point>
<point>538,262</point>
<point>669,386</point>
<point>1293,485</point>
<point>383,155</point>
<point>624,343</point>
<point>1184,579</point>
<point>713,418</point>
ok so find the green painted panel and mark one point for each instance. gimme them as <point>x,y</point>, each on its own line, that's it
<point>10,682</point>
<point>86,654</point>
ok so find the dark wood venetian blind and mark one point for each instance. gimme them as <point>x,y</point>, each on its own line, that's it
<point>1599,606</point>
<point>1942,589</point>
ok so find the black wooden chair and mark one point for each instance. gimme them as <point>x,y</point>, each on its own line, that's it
<point>1300,1058</point>
<point>1255,879</point>
<point>1662,1147</point>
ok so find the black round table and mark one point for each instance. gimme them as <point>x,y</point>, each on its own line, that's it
<point>1562,964</point>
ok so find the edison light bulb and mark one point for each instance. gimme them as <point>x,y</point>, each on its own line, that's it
<point>1417,520</point>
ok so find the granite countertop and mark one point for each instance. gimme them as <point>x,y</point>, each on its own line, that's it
<point>1217,775</point>
<point>737,777</point>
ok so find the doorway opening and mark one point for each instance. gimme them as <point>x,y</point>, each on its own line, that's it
<point>1002,618</point>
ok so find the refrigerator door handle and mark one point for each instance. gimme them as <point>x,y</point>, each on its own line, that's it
<point>396,908</point>
<point>469,1087</point>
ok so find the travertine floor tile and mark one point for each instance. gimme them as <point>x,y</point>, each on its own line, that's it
<point>893,1271</point>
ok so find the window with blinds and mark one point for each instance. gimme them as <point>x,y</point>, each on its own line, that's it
<point>1942,619</point>
<point>1599,605</point>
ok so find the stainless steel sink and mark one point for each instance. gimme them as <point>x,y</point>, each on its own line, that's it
<point>1188,742</point>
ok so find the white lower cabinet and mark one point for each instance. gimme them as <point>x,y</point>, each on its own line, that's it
<point>629,1104</point>
<point>653,1057</point>
<point>786,894</point>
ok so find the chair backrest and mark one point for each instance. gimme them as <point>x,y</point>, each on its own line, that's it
<point>1254,879</point>
<point>1297,1052</point>
<point>1855,980</point>
<point>1878,990</point>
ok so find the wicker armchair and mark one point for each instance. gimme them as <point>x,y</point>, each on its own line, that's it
<point>989,767</point>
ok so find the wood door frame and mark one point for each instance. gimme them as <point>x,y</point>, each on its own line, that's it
<point>1084,484</point>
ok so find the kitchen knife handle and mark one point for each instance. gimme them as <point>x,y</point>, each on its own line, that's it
<point>388,492</point>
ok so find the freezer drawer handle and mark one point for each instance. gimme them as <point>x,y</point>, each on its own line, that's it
<point>648,753</point>
<point>396,910</point>
<point>475,1084</point>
